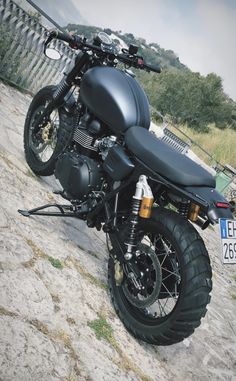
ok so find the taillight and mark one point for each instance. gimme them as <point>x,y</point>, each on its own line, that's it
<point>224,205</point>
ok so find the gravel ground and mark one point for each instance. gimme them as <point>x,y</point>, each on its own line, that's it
<point>48,307</point>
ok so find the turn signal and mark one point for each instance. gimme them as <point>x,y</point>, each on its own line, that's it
<point>193,212</point>
<point>146,207</point>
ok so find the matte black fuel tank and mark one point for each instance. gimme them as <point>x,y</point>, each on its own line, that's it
<point>115,97</point>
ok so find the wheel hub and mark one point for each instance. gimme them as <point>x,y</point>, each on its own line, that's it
<point>45,132</point>
<point>143,278</point>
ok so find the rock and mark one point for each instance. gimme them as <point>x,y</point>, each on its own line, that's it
<point>14,250</point>
<point>22,292</point>
<point>27,354</point>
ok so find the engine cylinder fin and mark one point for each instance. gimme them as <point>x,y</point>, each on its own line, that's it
<point>84,139</point>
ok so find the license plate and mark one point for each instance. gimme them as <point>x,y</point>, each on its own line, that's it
<point>228,239</point>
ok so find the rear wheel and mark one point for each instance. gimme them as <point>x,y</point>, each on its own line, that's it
<point>43,145</point>
<point>175,281</point>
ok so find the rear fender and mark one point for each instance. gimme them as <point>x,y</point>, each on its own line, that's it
<point>218,206</point>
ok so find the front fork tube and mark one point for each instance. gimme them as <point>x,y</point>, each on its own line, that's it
<point>141,207</point>
<point>63,88</point>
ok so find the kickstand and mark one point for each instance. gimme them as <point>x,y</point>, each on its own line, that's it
<point>64,211</point>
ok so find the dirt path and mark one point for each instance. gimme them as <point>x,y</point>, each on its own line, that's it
<point>54,298</point>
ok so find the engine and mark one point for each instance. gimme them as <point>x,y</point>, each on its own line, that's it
<point>86,133</point>
<point>79,175</point>
<point>80,171</point>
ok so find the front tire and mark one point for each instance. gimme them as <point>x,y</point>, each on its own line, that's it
<point>42,148</point>
<point>189,270</point>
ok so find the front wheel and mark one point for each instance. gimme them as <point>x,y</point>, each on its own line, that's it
<point>43,145</point>
<point>167,302</point>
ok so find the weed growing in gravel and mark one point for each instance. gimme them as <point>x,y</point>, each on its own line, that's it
<point>55,263</point>
<point>234,277</point>
<point>5,312</point>
<point>233,295</point>
<point>8,162</point>
<point>39,253</point>
<point>40,326</point>
<point>36,250</point>
<point>29,173</point>
<point>103,330</point>
<point>85,274</point>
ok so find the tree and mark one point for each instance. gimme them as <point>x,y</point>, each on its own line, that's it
<point>190,98</point>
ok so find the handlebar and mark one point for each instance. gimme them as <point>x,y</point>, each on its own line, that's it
<point>78,42</point>
<point>154,68</point>
<point>65,37</point>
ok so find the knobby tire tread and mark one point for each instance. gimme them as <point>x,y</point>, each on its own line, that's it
<point>196,278</point>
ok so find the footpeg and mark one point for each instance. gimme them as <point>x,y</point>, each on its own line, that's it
<point>24,213</point>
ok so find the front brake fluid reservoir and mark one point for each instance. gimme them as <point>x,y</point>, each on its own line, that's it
<point>146,207</point>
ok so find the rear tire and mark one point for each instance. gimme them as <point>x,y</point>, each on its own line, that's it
<point>62,129</point>
<point>193,266</point>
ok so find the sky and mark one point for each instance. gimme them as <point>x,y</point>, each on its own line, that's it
<point>201,32</point>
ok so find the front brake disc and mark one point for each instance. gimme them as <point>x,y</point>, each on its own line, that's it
<point>145,290</point>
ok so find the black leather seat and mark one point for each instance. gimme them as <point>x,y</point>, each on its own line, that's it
<point>164,160</point>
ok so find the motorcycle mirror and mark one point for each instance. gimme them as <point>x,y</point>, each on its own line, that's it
<point>51,53</point>
<point>133,49</point>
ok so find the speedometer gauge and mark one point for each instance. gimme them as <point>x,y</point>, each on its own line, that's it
<point>103,38</point>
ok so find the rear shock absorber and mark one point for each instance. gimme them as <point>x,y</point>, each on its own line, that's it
<point>141,207</point>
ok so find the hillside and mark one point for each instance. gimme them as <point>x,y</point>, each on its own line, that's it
<point>152,52</point>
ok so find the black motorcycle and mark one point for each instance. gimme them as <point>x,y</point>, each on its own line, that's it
<point>118,176</point>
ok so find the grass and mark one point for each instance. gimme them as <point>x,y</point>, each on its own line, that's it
<point>5,312</point>
<point>55,263</point>
<point>29,173</point>
<point>103,330</point>
<point>233,295</point>
<point>219,143</point>
<point>39,253</point>
<point>7,161</point>
<point>92,279</point>
<point>58,336</point>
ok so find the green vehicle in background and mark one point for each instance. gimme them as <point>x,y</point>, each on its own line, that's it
<point>224,179</point>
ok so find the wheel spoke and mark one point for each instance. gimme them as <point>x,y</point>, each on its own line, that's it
<point>170,273</point>
<point>168,291</point>
<point>161,308</point>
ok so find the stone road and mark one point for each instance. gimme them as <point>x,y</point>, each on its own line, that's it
<point>53,277</point>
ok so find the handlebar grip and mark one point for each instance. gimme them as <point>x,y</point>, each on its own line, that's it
<point>154,68</point>
<point>65,37</point>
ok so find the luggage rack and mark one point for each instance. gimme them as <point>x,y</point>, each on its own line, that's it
<point>174,141</point>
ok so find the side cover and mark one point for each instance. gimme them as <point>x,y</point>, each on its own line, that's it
<point>116,98</point>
